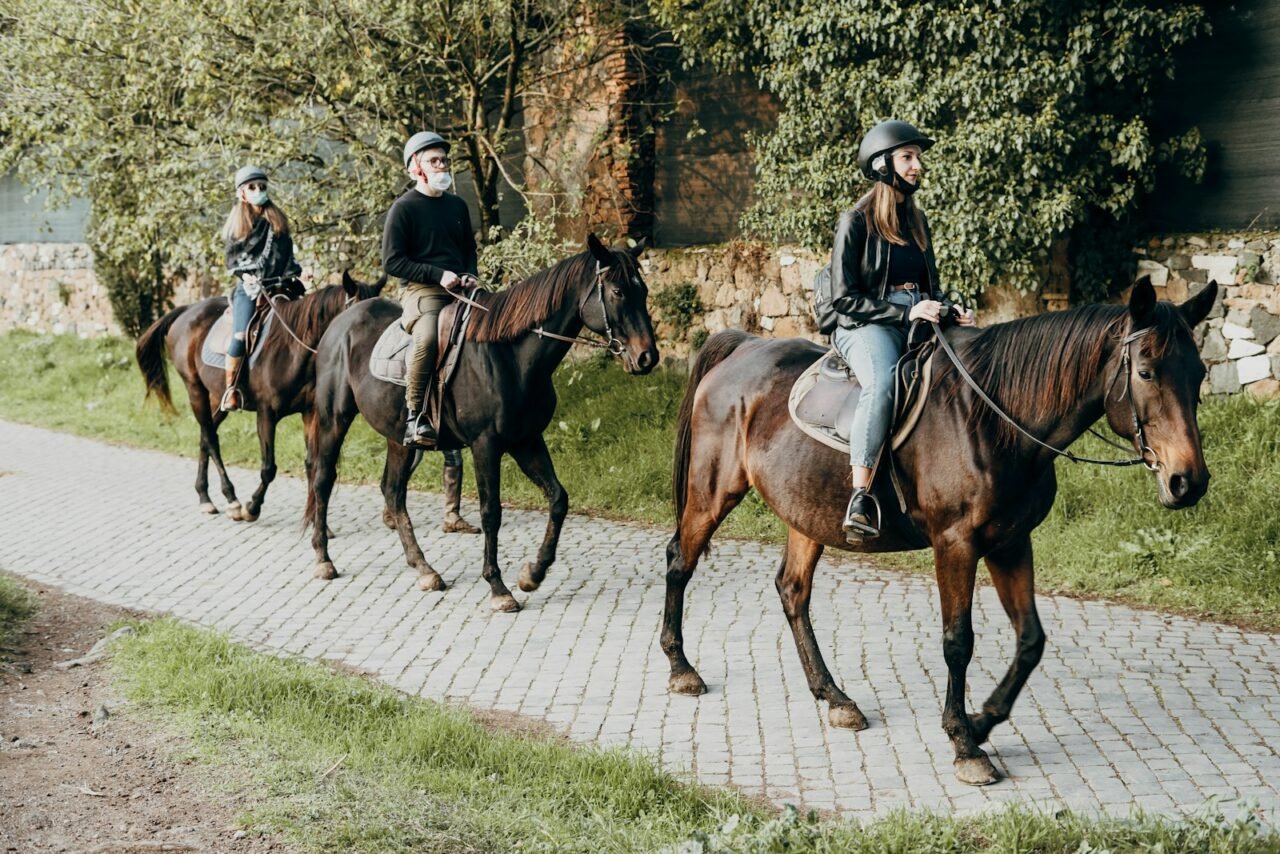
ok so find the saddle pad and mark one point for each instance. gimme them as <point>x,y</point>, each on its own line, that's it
<point>822,407</point>
<point>387,362</point>
<point>213,352</point>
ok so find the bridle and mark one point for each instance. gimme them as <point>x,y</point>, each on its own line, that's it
<point>347,301</point>
<point>1147,456</point>
<point>611,344</point>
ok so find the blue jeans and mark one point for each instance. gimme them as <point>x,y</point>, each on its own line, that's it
<point>872,351</point>
<point>241,313</point>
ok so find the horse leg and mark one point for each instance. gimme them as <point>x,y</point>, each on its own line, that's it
<point>955,566</point>
<point>267,421</point>
<point>1013,575</point>
<point>535,461</point>
<point>395,486</point>
<point>388,509</point>
<point>324,474</point>
<point>209,421</point>
<point>795,585</point>
<point>705,509</point>
<point>487,456</point>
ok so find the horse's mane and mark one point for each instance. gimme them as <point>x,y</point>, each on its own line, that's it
<point>1039,367</point>
<point>523,306</point>
<point>308,315</point>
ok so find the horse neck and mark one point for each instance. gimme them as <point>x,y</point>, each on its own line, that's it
<point>317,303</point>
<point>539,355</point>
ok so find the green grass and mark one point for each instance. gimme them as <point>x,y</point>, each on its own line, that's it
<point>612,438</point>
<point>16,605</point>
<point>339,763</point>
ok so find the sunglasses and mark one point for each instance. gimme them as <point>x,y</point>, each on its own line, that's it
<point>438,162</point>
<point>255,185</point>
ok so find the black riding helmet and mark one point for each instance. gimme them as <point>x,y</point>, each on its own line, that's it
<point>421,140</point>
<point>883,139</point>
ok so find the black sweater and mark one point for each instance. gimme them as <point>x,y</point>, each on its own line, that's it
<point>424,236</point>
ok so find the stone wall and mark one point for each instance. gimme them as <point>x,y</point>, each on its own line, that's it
<point>50,287</point>
<point>1240,342</point>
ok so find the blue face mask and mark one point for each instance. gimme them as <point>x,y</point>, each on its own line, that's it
<point>257,197</point>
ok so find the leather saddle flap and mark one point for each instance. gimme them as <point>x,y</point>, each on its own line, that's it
<point>389,360</point>
<point>213,352</point>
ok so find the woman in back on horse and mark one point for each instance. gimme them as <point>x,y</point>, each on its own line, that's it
<point>259,254</point>
<point>883,277</point>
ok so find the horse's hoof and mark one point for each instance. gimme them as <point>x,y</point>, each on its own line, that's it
<point>976,771</point>
<point>209,507</point>
<point>246,516</point>
<point>389,519</point>
<point>687,683</point>
<point>527,582</point>
<point>504,604</point>
<point>430,581</point>
<point>325,570</point>
<point>235,511</point>
<point>846,717</point>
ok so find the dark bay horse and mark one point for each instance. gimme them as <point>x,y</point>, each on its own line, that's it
<point>975,488</point>
<point>280,383</point>
<point>500,400</point>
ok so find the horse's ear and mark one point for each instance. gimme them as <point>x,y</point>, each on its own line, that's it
<point>601,252</point>
<point>1142,301</point>
<point>1198,307</point>
<point>380,284</point>
<point>348,283</point>
<point>641,245</point>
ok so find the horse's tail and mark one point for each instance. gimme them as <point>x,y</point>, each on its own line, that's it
<point>718,348</point>
<point>151,358</point>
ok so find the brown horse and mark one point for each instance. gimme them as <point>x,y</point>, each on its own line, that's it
<point>280,383</point>
<point>975,488</point>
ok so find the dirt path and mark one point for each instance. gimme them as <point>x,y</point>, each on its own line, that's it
<point>79,773</point>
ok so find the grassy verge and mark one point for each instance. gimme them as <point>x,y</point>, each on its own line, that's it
<point>612,439</point>
<point>16,605</point>
<point>344,764</point>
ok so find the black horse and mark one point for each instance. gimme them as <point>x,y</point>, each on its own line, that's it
<point>501,397</point>
<point>280,384</point>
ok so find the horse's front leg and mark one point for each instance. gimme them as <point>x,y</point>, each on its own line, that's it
<point>487,456</point>
<point>535,461</point>
<point>267,420</point>
<point>955,565</point>
<point>1012,572</point>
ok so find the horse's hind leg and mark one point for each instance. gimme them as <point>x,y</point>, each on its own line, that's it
<point>329,434</point>
<point>795,586</point>
<point>395,486</point>
<point>208,420</point>
<point>707,505</point>
<point>1014,579</point>
<point>535,461</point>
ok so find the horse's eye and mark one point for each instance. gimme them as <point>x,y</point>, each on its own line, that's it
<point>1145,374</point>
<point>616,291</point>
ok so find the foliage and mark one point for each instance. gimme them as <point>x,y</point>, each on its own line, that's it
<point>147,108</point>
<point>680,306</point>
<point>1042,112</point>
<point>17,604</point>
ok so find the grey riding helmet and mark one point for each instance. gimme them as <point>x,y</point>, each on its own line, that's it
<point>249,173</point>
<point>421,140</point>
<point>884,138</point>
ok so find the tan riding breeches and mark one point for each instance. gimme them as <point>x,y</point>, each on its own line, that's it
<point>422,306</point>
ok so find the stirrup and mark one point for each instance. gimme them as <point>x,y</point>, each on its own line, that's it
<point>857,531</point>
<point>228,402</point>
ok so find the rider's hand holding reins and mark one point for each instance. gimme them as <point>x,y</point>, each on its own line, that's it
<point>966,316</point>
<point>450,280</point>
<point>930,310</point>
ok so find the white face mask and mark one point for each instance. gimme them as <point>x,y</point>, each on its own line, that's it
<point>256,197</point>
<point>440,181</point>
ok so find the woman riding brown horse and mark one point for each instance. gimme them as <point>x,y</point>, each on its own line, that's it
<point>974,486</point>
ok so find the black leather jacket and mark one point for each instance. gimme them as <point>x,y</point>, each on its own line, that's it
<point>859,277</point>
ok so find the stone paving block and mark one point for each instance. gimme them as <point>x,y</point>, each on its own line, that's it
<point>1128,710</point>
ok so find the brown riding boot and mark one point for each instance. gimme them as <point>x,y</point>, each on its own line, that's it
<point>231,398</point>
<point>453,521</point>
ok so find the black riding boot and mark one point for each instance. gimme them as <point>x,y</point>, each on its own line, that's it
<point>418,432</point>
<point>861,518</point>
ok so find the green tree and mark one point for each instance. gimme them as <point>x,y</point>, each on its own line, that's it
<point>147,108</point>
<point>1041,108</point>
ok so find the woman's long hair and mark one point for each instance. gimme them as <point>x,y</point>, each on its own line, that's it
<point>880,205</point>
<point>241,219</point>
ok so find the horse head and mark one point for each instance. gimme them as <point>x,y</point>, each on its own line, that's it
<point>616,308</point>
<point>1154,390</point>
